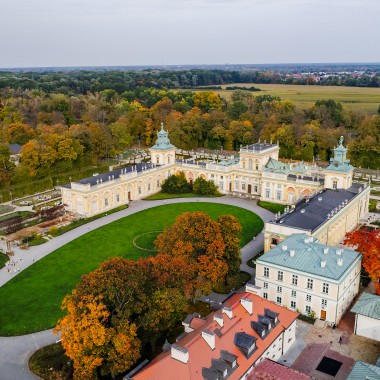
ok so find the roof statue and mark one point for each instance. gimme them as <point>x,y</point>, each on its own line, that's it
<point>162,141</point>
<point>340,163</point>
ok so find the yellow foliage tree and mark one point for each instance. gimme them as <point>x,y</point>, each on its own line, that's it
<point>94,340</point>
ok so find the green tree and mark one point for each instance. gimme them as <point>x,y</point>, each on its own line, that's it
<point>176,184</point>
<point>203,187</point>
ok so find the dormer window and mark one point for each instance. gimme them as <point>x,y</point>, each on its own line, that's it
<point>246,343</point>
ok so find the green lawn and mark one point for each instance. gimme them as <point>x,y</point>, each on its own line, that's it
<point>31,301</point>
<point>3,259</point>
<point>273,207</point>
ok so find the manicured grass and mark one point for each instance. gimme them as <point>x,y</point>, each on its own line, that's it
<point>273,207</point>
<point>159,196</point>
<point>37,241</point>
<point>3,259</point>
<point>31,301</point>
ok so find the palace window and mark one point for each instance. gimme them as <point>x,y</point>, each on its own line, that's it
<point>324,304</point>
<point>265,295</point>
<point>265,285</point>
<point>243,187</point>
<point>294,293</point>
<point>294,279</point>
<point>325,288</point>
<point>308,298</point>
<point>117,198</point>
<point>106,202</point>
<point>148,186</point>
<point>279,300</point>
<point>279,289</point>
<point>250,164</point>
<point>158,183</point>
<point>255,188</point>
<point>280,276</point>
<point>278,195</point>
<point>293,304</point>
<point>309,284</point>
<point>139,190</point>
<point>335,184</point>
<point>267,193</point>
<point>266,272</point>
<point>308,309</point>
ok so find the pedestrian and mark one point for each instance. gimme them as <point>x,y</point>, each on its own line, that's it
<point>340,340</point>
<point>334,327</point>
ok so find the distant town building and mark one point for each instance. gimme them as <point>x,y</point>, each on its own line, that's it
<point>304,275</point>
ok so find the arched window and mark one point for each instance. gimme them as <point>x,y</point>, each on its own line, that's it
<point>250,164</point>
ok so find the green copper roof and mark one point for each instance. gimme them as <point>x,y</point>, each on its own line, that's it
<point>362,371</point>
<point>368,305</point>
<point>340,163</point>
<point>162,142</point>
<point>303,253</point>
<point>275,166</point>
<point>300,168</point>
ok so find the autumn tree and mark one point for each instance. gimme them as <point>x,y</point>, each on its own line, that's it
<point>368,243</point>
<point>176,184</point>
<point>96,340</point>
<point>198,240</point>
<point>230,228</point>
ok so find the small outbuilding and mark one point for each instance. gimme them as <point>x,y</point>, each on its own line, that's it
<point>367,316</point>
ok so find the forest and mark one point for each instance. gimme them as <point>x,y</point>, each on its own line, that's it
<point>73,131</point>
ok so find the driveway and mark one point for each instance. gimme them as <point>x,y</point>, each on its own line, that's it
<point>16,351</point>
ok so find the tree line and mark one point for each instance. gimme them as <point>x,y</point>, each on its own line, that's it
<point>77,82</point>
<point>60,133</point>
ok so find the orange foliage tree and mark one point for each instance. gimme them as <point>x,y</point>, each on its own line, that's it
<point>199,240</point>
<point>368,243</point>
<point>94,339</point>
<point>120,307</point>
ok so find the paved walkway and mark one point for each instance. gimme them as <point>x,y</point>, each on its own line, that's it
<point>16,351</point>
<point>25,258</point>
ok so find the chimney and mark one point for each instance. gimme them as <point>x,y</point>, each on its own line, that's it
<point>179,353</point>
<point>339,252</point>
<point>325,251</point>
<point>209,337</point>
<point>292,253</point>
<point>340,262</point>
<point>323,263</point>
<point>284,247</point>
<point>247,304</point>
<point>219,319</point>
<point>228,311</point>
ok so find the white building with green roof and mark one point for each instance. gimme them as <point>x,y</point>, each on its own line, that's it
<point>304,275</point>
<point>367,316</point>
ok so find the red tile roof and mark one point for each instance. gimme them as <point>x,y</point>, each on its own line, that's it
<point>270,370</point>
<point>200,354</point>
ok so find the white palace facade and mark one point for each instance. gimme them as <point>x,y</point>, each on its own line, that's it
<point>255,173</point>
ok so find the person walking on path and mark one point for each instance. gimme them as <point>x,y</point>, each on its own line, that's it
<point>340,340</point>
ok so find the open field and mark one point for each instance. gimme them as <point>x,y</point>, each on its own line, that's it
<point>31,301</point>
<point>359,99</point>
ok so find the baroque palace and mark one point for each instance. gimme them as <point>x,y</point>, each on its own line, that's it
<point>321,202</point>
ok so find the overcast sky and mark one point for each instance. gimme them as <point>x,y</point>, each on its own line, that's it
<point>155,32</point>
